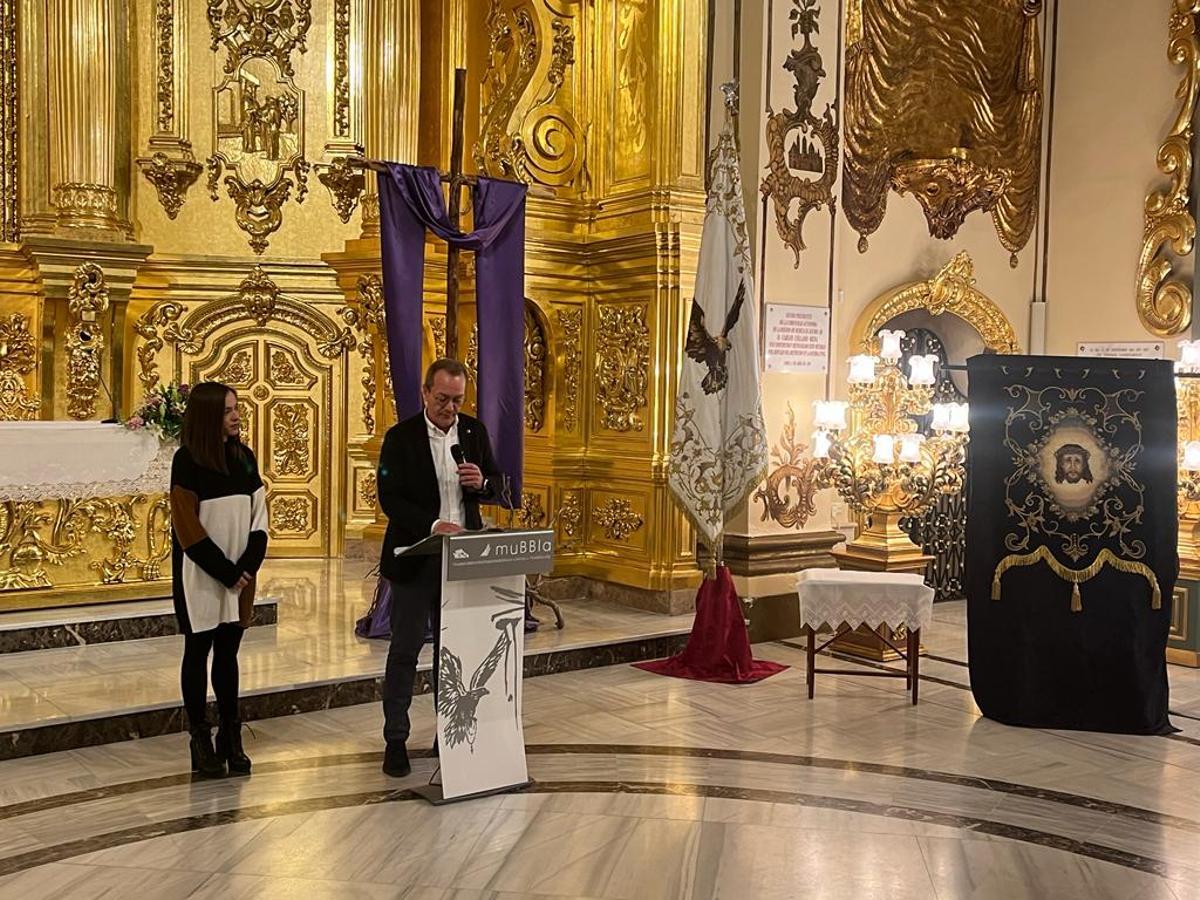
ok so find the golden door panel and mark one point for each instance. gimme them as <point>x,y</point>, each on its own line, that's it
<point>285,393</point>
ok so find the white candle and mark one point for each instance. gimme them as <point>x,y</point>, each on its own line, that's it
<point>1191,456</point>
<point>910,447</point>
<point>820,445</point>
<point>941,417</point>
<point>830,414</point>
<point>1189,356</point>
<point>889,345</point>
<point>885,449</point>
<point>959,417</point>
<point>862,369</point>
<point>920,369</point>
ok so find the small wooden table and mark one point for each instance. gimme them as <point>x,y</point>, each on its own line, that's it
<point>839,601</point>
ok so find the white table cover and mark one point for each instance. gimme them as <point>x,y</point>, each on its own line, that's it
<point>80,460</point>
<point>832,596</point>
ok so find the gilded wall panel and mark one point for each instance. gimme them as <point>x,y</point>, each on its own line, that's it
<point>621,368</point>
<point>570,363</point>
<point>944,102</point>
<point>531,92</point>
<point>618,520</point>
<point>633,36</point>
<point>56,552</point>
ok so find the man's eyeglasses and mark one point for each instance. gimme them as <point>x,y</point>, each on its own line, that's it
<point>444,400</point>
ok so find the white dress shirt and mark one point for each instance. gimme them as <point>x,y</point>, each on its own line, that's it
<point>449,490</point>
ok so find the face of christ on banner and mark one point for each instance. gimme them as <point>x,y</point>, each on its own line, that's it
<point>1074,467</point>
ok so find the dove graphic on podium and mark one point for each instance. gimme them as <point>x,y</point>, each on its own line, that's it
<point>457,703</point>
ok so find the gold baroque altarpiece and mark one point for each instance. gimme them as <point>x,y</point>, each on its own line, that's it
<point>252,88</point>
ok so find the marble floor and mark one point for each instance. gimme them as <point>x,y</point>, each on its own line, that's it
<point>312,644</point>
<point>645,787</point>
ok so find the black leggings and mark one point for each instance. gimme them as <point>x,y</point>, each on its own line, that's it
<point>223,641</point>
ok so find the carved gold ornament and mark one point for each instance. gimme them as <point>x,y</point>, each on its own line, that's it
<point>783,185</point>
<point>237,372</point>
<point>535,371</point>
<point>370,300</point>
<point>617,519</point>
<point>569,323</point>
<point>570,520</point>
<point>341,70</point>
<point>368,490</point>
<point>1164,304</point>
<point>944,101</point>
<point>365,321</point>
<point>529,132</point>
<point>37,537</point>
<point>9,122</point>
<point>951,290</point>
<point>290,514</point>
<point>437,328</point>
<point>259,294</point>
<point>622,365</point>
<point>171,177</point>
<point>531,514</point>
<point>788,495</point>
<point>87,302</point>
<point>164,316</point>
<point>18,359</point>
<point>345,184</point>
<point>86,204</point>
<point>291,427</point>
<point>266,28</point>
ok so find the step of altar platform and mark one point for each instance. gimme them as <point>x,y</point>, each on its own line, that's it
<point>60,699</point>
<point>102,623</point>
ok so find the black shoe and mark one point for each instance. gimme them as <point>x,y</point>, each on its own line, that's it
<point>205,761</point>
<point>395,761</point>
<point>229,748</point>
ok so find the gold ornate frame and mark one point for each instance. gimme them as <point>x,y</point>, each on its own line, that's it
<point>951,290</point>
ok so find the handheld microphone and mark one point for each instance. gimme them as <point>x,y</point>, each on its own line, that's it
<point>457,452</point>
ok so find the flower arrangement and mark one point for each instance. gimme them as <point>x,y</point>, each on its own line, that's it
<point>161,411</point>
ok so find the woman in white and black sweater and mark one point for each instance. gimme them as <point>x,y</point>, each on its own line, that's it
<point>219,525</point>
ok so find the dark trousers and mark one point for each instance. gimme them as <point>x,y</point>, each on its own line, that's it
<point>223,642</point>
<point>414,602</point>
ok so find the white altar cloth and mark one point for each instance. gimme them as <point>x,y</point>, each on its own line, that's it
<point>80,460</point>
<point>834,596</point>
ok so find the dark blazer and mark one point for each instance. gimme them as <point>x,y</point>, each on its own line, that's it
<point>408,490</point>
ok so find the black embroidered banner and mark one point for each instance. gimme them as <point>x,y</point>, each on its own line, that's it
<point>1071,540</point>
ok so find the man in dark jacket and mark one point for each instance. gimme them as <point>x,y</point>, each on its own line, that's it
<point>434,470</point>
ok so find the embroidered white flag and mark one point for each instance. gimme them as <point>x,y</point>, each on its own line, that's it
<point>718,447</point>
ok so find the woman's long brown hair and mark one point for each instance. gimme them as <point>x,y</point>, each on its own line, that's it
<point>204,425</point>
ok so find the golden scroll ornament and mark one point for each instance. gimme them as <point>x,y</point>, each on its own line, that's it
<point>18,360</point>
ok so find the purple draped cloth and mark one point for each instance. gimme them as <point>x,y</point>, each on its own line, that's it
<point>410,200</point>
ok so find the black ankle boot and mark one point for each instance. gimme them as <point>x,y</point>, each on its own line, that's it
<point>204,758</point>
<point>229,748</point>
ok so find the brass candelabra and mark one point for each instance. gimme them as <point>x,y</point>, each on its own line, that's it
<point>870,450</point>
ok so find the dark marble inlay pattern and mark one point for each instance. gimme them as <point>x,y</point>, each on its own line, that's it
<point>53,737</point>
<point>56,853</point>
<point>373,757</point>
<point>105,631</point>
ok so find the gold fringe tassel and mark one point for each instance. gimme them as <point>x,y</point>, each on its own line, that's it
<point>1078,576</point>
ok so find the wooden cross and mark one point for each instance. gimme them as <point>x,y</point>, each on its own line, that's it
<point>457,181</point>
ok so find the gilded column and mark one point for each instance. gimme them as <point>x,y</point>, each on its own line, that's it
<point>391,53</point>
<point>89,126</point>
